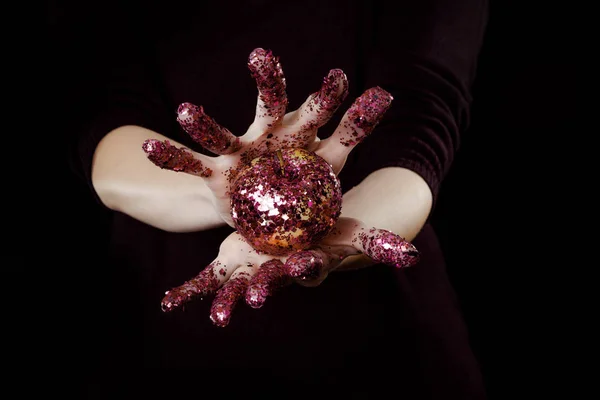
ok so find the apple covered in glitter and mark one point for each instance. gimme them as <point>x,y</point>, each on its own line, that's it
<point>285,201</point>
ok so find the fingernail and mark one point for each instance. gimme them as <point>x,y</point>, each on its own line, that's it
<point>329,98</point>
<point>188,110</point>
<point>261,63</point>
<point>366,113</point>
<point>257,55</point>
<point>220,315</point>
<point>256,296</point>
<point>166,156</point>
<point>388,248</point>
<point>333,91</point>
<point>304,265</point>
<point>192,119</point>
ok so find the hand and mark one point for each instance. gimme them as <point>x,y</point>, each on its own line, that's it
<point>241,272</point>
<point>272,129</point>
<point>239,269</point>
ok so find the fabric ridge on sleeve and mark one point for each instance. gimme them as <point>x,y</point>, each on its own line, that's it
<point>425,54</point>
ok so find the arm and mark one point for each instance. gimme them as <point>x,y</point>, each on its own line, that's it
<point>396,199</point>
<point>425,54</point>
<point>126,181</point>
<point>239,272</point>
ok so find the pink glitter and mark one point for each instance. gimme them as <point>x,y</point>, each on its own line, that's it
<point>286,201</point>
<point>388,248</point>
<point>365,114</point>
<point>270,276</point>
<point>266,70</point>
<point>327,100</point>
<point>167,156</point>
<point>202,285</point>
<point>333,91</point>
<point>304,265</point>
<point>205,131</point>
<point>227,298</point>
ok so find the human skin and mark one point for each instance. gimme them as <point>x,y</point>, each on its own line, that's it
<point>395,200</point>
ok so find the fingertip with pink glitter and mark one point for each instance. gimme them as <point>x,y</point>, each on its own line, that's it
<point>285,201</point>
<point>271,276</point>
<point>205,283</point>
<point>388,248</point>
<point>324,103</point>
<point>227,298</point>
<point>206,131</point>
<point>365,114</point>
<point>304,265</point>
<point>333,92</point>
<point>266,69</point>
<point>166,156</point>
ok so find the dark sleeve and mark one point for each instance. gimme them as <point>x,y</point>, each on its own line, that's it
<point>425,53</point>
<point>121,84</point>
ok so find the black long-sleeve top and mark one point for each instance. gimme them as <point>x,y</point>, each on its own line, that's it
<point>142,60</point>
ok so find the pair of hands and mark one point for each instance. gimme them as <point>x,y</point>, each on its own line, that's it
<point>239,271</point>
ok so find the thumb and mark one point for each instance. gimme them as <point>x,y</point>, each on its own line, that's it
<point>380,245</point>
<point>350,237</point>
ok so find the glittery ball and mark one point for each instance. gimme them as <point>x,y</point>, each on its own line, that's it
<point>285,201</point>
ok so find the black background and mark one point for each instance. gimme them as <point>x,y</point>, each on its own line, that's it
<point>524,102</point>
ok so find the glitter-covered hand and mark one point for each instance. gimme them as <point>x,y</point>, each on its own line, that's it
<point>240,272</point>
<point>272,129</point>
<point>277,185</point>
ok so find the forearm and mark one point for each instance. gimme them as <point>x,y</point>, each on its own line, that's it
<point>126,181</point>
<point>396,199</point>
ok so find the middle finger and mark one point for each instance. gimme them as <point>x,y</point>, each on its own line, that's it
<point>228,295</point>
